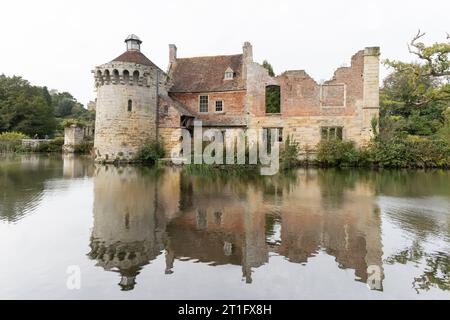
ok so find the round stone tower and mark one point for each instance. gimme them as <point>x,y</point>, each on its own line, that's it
<point>127,91</point>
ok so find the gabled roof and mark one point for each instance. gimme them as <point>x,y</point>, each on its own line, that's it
<point>205,74</point>
<point>177,105</point>
<point>135,57</point>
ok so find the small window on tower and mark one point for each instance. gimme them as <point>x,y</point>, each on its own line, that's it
<point>166,110</point>
<point>130,105</point>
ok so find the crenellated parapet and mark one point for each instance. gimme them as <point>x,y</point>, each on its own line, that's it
<point>123,73</point>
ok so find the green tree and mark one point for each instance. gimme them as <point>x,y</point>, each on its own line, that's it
<point>269,68</point>
<point>25,108</point>
<point>65,105</point>
<point>415,95</point>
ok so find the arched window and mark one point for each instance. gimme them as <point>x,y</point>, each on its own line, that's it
<point>107,77</point>
<point>116,76</point>
<point>126,76</point>
<point>136,77</point>
<point>130,105</point>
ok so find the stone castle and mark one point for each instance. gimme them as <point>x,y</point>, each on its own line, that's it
<point>137,101</point>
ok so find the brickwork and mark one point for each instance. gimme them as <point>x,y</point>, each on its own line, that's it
<point>233,104</point>
<point>349,100</point>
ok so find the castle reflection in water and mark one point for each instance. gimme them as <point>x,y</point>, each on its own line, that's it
<point>141,213</point>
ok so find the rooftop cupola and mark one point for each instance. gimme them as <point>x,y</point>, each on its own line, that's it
<point>133,43</point>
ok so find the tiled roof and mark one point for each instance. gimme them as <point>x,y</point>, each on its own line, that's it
<point>206,74</point>
<point>177,105</point>
<point>135,57</point>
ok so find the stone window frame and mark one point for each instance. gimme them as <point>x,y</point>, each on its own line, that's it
<point>280,133</point>
<point>223,106</point>
<point>331,85</point>
<point>200,103</point>
<point>330,129</point>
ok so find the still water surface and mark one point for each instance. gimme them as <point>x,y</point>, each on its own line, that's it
<point>144,233</point>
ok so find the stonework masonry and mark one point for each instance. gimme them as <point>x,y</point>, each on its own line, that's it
<point>138,102</point>
<point>75,135</point>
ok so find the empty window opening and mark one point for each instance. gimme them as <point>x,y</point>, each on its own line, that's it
<point>268,137</point>
<point>99,77</point>
<point>273,99</point>
<point>126,76</point>
<point>130,105</point>
<point>116,76</point>
<point>107,77</point>
<point>136,77</point>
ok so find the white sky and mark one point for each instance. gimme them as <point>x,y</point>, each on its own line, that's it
<point>57,43</point>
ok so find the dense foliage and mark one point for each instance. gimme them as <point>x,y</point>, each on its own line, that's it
<point>416,95</point>
<point>11,141</point>
<point>33,110</point>
<point>272,92</point>
<point>414,124</point>
<point>269,68</point>
<point>150,152</point>
<point>54,145</point>
<point>289,154</point>
<point>393,153</point>
<point>25,108</point>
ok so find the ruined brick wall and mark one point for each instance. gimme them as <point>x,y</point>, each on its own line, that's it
<point>349,100</point>
<point>303,96</point>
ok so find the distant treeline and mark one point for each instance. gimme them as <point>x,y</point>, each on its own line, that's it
<point>34,110</point>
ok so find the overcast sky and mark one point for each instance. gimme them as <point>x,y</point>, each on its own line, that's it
<point>57,43</point>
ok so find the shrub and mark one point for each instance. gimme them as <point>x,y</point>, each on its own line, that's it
<point>337,153</point>
<point>54,145</point>
<point>12,141</point>
<point>150,152</point>
<point>289,154</point>
<point>412,152</point>
<point>84,148</point>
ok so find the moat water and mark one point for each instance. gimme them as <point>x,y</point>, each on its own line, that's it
<point>73,230</point>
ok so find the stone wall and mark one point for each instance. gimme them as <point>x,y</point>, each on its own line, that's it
<point>74,136</point>
<point>119,133</point>
<point>169,143</point>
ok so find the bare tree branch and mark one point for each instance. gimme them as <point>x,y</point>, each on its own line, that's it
<point>418,52</point>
